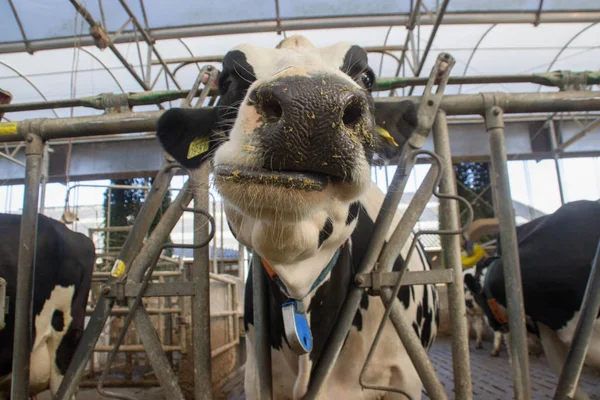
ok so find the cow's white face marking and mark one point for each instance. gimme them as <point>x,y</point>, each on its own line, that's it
<point>283,224</point>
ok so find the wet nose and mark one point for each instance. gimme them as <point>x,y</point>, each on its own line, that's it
<point>276,98</point>
<point>314,124</point>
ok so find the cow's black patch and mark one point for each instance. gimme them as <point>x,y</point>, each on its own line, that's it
<point>358,320</point>
<point>58,321</point>
<point>356,63</point>
<point>419,314</point>
<point>234,80</point>
<point>326,231</point>
<point>416,328</point>
<point>412,293</point>
<point>353,212</point>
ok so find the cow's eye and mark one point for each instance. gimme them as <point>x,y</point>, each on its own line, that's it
<point>366,79</point>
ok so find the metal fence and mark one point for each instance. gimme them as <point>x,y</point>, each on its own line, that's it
<point>131,277</point>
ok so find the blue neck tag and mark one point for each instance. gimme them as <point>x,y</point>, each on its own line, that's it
<point>297,331</point>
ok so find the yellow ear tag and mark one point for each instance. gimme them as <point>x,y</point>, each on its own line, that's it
<point>197,147</point>
<point>386,135</point>
<point>118,269</point>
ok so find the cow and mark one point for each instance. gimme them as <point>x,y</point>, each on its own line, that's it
<point>291,142</point>
<point>555,253</point>
<point>64,261</point>
<point>477,319</point>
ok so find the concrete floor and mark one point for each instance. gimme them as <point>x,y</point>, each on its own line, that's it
<point>492,379</point>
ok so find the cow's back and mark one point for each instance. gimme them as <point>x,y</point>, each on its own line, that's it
<point>63,270</point>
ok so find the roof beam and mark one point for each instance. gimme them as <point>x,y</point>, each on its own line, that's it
<point>313,23</point>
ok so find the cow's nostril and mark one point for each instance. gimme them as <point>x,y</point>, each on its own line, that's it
<point>272,109</point>
<point>352,113</point>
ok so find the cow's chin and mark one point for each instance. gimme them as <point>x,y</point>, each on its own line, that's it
<point>280,199</point>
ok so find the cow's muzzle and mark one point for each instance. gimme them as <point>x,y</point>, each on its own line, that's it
<point>318,124</point>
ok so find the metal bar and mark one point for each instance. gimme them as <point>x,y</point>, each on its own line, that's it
<point>587,129</point>
<point>133,348</point>
<point>510,256</point>
<point>569,377</point>
<point>25,41</point>
<point>199,274</point>
<point>262,347</point>
<point>414,348</point>
<point>103,275</point>
<point>90,20</point>
<point>45,169</point>
<point>224,348</point>
<point>26,271</point>
<point>110,124</point>
<point>10,158</point>
<point>154,350</point>
<point>388,279</point>
<point>553,146</point>
<point>449,220</point>
<point>552,79</point>
<point>458,18</point>
<point>151,311</point>
<point>130,249</point>
<point>436,25</point>
<point>164,289</point>
<point>403,230</point>
<point>149,42</point>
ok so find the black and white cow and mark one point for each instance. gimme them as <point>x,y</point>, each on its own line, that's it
<point>556,252</point>
<point>63,276</point>
<point>477,319</point>
<point>293,139</point>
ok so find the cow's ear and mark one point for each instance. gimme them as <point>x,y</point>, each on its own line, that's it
<point>187,134</point>
<point>395,123</point>
<point>471,283</point>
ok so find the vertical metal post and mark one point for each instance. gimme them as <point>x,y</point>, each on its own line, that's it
<point>45,169</point>
<point>26,270</point>
<point>200,271</point>
<point>450,243</point>
<point>510,256</point>
<point>554,146</point>
<point>569,377</point>
<point>262,349</point>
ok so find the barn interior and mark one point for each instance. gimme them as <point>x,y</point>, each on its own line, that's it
<point>86,81</point>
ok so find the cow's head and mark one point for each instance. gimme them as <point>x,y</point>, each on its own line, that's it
<point>291,141</point>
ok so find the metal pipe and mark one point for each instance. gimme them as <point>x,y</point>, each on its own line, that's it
<point>12,159</point>
<point>510,256</point>
<point>26,271</point>
<point>414,348</point>
<point>45,171</point>
<point>457,18</point>
<point>436,25</point>
<point>199,274</point>
<point>449,220</point>
<point>262,347</point>
<point>553,146</point>
<point>410,217</point>
<point>588,313</point>
<point>130,249</point>
<point>149,42</point>
<point>154,349</point>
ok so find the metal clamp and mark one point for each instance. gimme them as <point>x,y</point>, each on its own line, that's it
<point>115,103</point>
<point>430,102</point>
<point>3,303</point>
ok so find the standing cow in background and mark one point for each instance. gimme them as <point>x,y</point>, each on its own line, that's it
<point>64,261</point>
<point>478,320</point>
<point>293,138</point>
<point>556,253</point>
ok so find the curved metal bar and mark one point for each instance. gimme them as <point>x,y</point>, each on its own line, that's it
<point>189,51</point>
<point>473,53</point>
<point>387,36</point>
<point>28,81</point>
<point>568,43</point>
<point>104,66</point>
